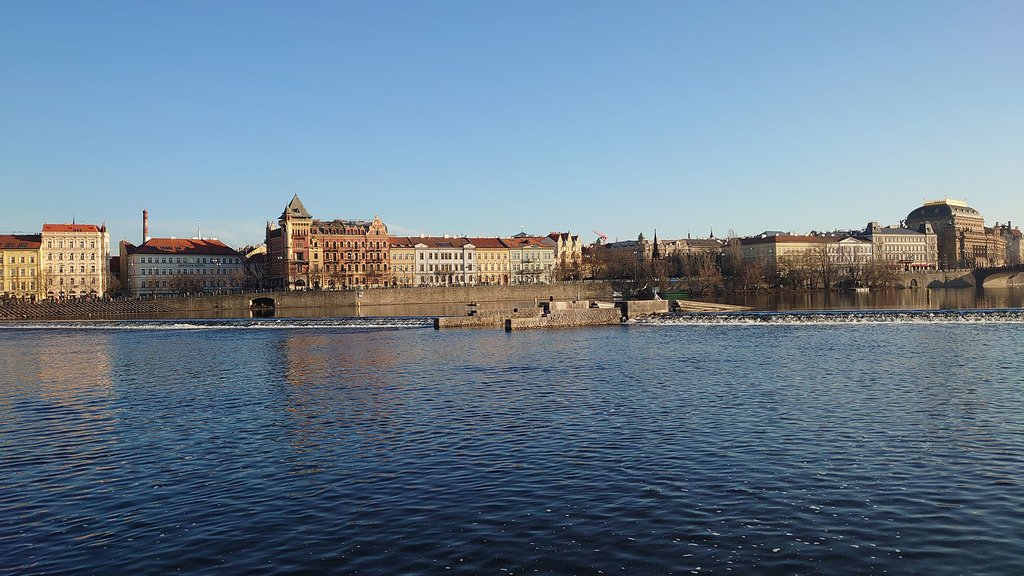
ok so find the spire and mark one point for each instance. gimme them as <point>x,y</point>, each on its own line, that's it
<point>656,254</point>
<point>295,209</point>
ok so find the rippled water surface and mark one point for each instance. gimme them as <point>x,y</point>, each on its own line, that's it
<point>372,446</point>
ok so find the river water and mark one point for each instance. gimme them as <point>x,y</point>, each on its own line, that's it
<point>805,443</point>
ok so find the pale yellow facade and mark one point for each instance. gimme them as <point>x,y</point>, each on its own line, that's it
<point>20,270</point>
<point>75,260</point>
<point>403,262</point>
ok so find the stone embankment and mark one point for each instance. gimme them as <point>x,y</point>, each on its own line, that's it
<point>568,318</point>
<point>695,306</point>
<point>557,314</point>
<point>58,309</point>
<point>486,318</point>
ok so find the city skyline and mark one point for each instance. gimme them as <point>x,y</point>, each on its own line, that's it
<point>479,120</point>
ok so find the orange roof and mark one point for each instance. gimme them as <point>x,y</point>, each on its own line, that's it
<point>528,241</point>
<point>184,246</point>
<point>487,242</point>
<point>441,242</point>
<point>20,242</point>
<point>401,241</point>
<point>70,228</point>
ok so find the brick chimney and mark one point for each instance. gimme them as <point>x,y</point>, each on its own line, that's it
<point>145,226</point>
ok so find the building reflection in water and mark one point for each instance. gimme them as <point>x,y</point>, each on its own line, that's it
<point>57,404</point>
<point>70,369</point>
<point>340,392</point>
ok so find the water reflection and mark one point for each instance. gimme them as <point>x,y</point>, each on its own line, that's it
<point>66,371</point>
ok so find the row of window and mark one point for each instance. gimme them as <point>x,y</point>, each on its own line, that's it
<point>71,243</point>
<point>18,286</point>
<point>21,260</point>
<point>70,269</point>
<point>350,244</point>
<point>186,271</point>
<point>188,260</point>
<point>18,272</point>
<point>350,256</point>
<point>71,256</point>
<point>354,267</point>
<point>154,284</point>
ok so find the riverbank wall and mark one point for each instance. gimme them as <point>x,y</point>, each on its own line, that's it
<point>240,304</point>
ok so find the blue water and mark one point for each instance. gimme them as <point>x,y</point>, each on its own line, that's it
<point>800,444</point>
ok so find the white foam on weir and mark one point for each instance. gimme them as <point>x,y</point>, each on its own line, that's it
<point>234,324</point>
<point>845,317</point>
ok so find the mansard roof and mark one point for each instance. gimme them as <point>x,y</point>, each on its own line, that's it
<point>20,241</point>
<point>183,246</point>
<point>72,228</point>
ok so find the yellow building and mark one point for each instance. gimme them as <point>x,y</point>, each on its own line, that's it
<point>20,270</point>
<point>403,261</point>
<point>491,260</point>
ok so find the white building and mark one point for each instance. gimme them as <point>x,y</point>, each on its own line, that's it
<point>75,259</point>
<point>531,259</point>
<point>165,266</point>
<point>904,248</point>
<point>850,253</point>
<point>444,261</point>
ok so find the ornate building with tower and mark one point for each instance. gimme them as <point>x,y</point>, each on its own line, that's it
<point>304,253</point>
<point>963,239</point>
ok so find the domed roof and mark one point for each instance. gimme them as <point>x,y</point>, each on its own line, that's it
<point>943,210</point>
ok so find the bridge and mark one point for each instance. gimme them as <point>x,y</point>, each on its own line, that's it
<point>1000,277</point>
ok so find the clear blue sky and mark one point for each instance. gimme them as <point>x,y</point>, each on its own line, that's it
<point>483,117</point>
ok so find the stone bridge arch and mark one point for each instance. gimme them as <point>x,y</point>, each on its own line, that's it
<point>262,303</point>
<point>999,277</point>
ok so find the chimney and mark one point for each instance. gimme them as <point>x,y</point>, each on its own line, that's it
<point>145,226</point>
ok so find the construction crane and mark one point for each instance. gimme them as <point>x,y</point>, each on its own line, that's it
<point>602,236</point>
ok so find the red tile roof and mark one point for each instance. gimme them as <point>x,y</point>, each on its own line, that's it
<point>401,242</point>
<point>487,242</point>
<point>70,228</point>
<point>20,241</point>
<point>441,242</point>
<point>184,246</point>
<point>528,241</point>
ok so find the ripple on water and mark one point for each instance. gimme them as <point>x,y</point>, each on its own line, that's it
<point>868,448</point>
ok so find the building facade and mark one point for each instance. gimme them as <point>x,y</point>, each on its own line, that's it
<point>403,260</point>
<point>21,272</point>
<point>963,239</point>
<point>1012,237</point>
<point>531,259</point>
<point>568,255</point>
<point>349,253</point>
<point>445,261</point>
<point>492,260</point>
<point>903,248</point>
<point>304,253</point>
<point>849,254</point>
<point>75,260</point>
<point>167,266</point>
